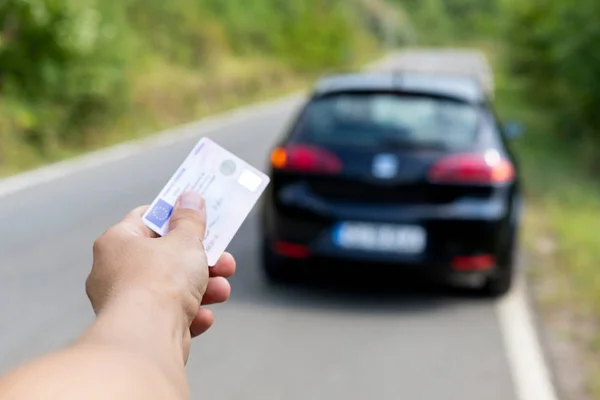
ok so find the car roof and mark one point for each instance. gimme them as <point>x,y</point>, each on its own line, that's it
<point>460,87</point>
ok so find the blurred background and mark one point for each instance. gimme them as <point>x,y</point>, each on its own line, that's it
<point>78,75</point>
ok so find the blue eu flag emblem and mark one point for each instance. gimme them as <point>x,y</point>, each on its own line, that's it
<point>160,213</point>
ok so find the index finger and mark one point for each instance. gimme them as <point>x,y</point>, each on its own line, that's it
<point>225,267</point>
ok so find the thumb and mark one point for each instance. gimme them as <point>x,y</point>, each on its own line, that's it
<point>189,217</point>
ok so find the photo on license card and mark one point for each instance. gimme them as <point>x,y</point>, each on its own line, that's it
<point>231,187</point>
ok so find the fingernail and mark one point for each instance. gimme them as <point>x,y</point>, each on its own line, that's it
<point>192,201</point>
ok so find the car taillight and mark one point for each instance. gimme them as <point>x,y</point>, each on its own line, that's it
<point>291,250</point>
<point>305,158</point>
<point>487,168</point>
<point>473,263</point>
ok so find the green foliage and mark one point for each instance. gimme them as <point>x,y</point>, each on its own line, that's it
<point>551,47</point>
<point>441,22</point>
<point>58,66</point>
<point>554,48</point>
<point>72,72</point>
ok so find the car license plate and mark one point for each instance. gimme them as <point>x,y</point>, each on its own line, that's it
<point>384,238</point>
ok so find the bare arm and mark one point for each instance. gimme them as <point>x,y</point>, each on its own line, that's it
<point>132,351</point>
<point>146,292</point>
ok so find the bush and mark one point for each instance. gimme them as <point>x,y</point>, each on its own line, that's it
<point>61,74</point>
<point>74,73</point>
<point>553,47</point>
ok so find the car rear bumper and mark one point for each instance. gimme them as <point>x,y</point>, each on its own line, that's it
<point>384,272</point>
<point>463,239</point>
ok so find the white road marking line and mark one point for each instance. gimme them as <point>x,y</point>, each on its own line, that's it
<point>61,169</point>
<point>204,126</point>
<point>529,371</point>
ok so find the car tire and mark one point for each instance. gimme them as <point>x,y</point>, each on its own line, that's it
<point>273,266</point>
<point>500,283</point>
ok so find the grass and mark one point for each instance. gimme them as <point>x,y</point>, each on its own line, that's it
<point>561,230</point>
<point>165,95</point>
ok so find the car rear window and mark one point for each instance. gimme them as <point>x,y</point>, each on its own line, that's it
<point>383,119</point>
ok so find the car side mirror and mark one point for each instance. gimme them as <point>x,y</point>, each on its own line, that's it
<point>513,130</point>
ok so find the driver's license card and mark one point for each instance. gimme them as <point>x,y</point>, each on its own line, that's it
<point>230,186</point>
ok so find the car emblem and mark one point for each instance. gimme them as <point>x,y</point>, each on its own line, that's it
<point>385,166</point>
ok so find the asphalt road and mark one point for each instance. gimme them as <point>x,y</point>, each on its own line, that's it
<point>268,343</point>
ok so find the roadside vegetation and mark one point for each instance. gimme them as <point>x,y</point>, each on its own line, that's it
<point>81,74</point>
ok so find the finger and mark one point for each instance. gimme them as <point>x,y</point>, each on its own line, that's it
<point>133,222</point>
<point>225,267</point>
<point>136,213</point>
<point>218,290</point>
<point>189,217</point>
<point>202,322</point>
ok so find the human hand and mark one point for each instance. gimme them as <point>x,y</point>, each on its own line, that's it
<point>129,258</point>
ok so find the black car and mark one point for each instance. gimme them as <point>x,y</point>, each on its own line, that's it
<point>409,171</point>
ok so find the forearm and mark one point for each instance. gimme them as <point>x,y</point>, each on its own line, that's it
<point>90,372</point>
<point>124,355</point>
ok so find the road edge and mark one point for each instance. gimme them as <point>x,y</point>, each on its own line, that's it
<point>533,378</point>
<point>50,172</point>
<point>21,181</point>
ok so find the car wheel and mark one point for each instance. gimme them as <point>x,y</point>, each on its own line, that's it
<point>273,266</point>
<point>500,283</point>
